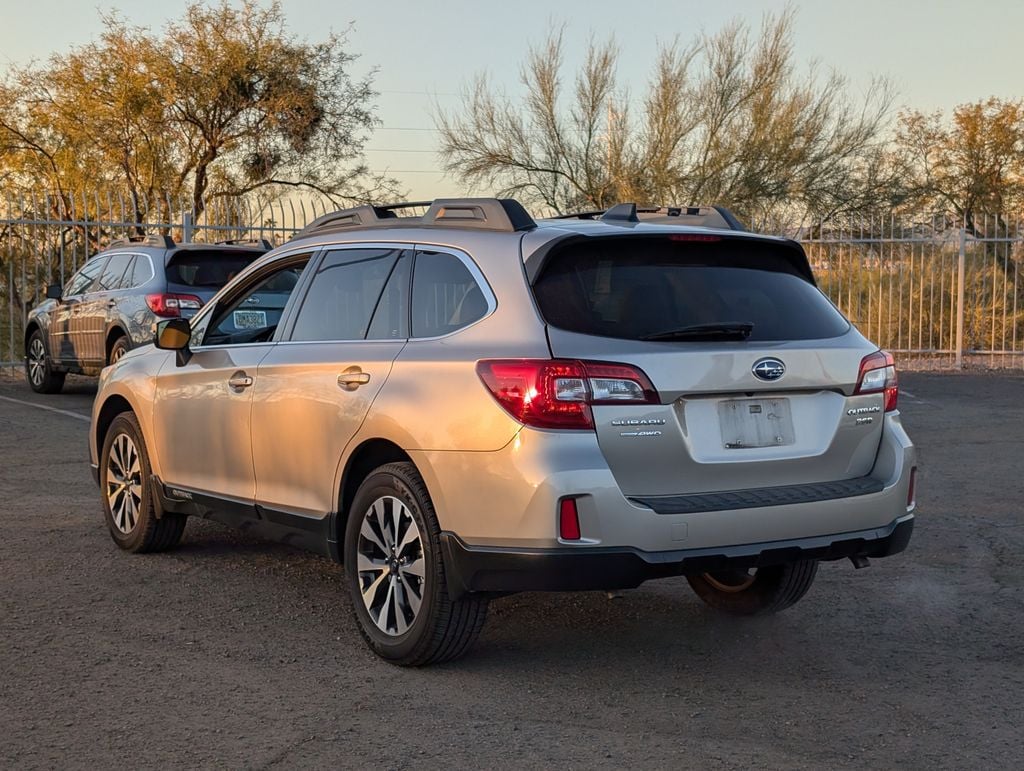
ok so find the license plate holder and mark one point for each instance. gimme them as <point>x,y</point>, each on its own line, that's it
<point>752,423</point>
<point>250,319</point>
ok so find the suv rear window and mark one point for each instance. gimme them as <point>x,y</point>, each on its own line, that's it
<point>636,287</point>
<point>209,268</point>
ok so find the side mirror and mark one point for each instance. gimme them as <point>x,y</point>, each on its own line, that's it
<point>54,291</point>
<point>175,335</point>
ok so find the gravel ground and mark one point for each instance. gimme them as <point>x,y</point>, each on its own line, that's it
<point>236,652</point>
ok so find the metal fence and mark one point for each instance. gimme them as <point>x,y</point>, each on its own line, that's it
<point>935,291</point>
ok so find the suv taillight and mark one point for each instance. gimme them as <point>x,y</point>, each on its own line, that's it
<point>170,305</point>
<point>558,393</point>
<point>878,375</point>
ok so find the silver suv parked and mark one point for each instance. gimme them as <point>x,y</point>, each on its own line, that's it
<point>470,402</point>
<point>112,303</point>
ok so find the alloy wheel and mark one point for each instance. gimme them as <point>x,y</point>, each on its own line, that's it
<point>36,362</point>
<point>124,483</point>
<point>390,565</point>
<point>732,581</point>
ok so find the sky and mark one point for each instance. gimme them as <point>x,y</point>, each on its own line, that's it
<point>936,54</point>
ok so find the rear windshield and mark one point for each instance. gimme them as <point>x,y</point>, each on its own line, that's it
<point>634,288</point>
<point>207,268</point>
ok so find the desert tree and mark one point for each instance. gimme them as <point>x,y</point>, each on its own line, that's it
<point>728,118</point>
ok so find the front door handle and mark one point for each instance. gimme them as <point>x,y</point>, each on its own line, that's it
<point>352,378</point>
<point>239,381</point>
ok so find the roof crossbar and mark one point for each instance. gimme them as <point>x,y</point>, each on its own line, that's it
<point>160,241</point>
<point>260,243</point>
<point>704,216</point>
<point>500,214</point>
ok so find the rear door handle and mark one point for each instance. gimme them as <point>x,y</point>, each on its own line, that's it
<point>239,381</point>
<point>352,378</point>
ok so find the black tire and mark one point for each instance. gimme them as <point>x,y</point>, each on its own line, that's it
<point>134,524</point>
<point>39,369</point>
<point>766,590</point>
<point>118,349</point>
<point>441,629</point>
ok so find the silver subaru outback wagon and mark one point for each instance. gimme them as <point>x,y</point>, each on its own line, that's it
<point>470,402</point>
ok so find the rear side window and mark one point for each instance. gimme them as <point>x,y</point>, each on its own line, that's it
<point>344,294</point>
<point>633,288</point>
<point>113,272</point>
<point>445,296</point>
<point>207,268</point>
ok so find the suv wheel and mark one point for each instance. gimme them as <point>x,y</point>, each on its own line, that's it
<point>118,349</point>
<point>757,591</point>
<point>41,377</point>
<point>396,574</point>
<point>128,494</point>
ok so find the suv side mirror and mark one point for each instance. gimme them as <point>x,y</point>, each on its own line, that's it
<point>54,291</point>
<point>175,335</point>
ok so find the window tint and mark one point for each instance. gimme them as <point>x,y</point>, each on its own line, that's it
<point>343,294</point>
<point>632,288</point>
<point>207,268</point>
<point>391,319</point>
<point>445,296</point>
<point>253,316</point>
<point>113,272</point>
<point>84,277</point>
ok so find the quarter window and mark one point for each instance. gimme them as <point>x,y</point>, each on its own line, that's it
<point>445,296</point>
<point>344,294</point>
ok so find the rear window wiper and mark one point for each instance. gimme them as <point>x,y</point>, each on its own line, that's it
<point>725,330</point>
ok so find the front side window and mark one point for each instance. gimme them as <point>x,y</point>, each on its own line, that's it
<point>83,279</point>
<point>445,295</point>
<point>113,272</point>
<point>252,316</point>
<point>344,294</point>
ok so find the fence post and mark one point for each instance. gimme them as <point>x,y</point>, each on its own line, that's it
<point>960,269</point>
<point>187,226</point>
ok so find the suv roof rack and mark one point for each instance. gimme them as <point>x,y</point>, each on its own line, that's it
<point>701,216</point>
<point>503,214</point>
<point>162,242</point>
<point>261,243</point>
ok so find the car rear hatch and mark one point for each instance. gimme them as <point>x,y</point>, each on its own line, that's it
<point>755,370</point>
<point>201,273</point>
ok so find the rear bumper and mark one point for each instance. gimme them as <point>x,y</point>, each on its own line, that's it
<point>494,569</point>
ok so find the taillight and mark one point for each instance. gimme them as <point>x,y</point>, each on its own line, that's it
<point>568,520</point>
<point>558,393</point>
<point>170,305</point>
<point>878,375</point>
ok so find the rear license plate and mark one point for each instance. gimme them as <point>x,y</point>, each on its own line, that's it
<point>250,319</point>
<point>755,423</point>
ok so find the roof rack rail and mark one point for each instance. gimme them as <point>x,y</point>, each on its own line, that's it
<point>701,216</point>
<point>262,243</point>
<point>502,214</point>
<point>163,242</point>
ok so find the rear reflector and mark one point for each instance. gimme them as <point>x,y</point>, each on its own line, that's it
<point>912,489</point>
<point>568,520</point>
<point>878,375</point>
